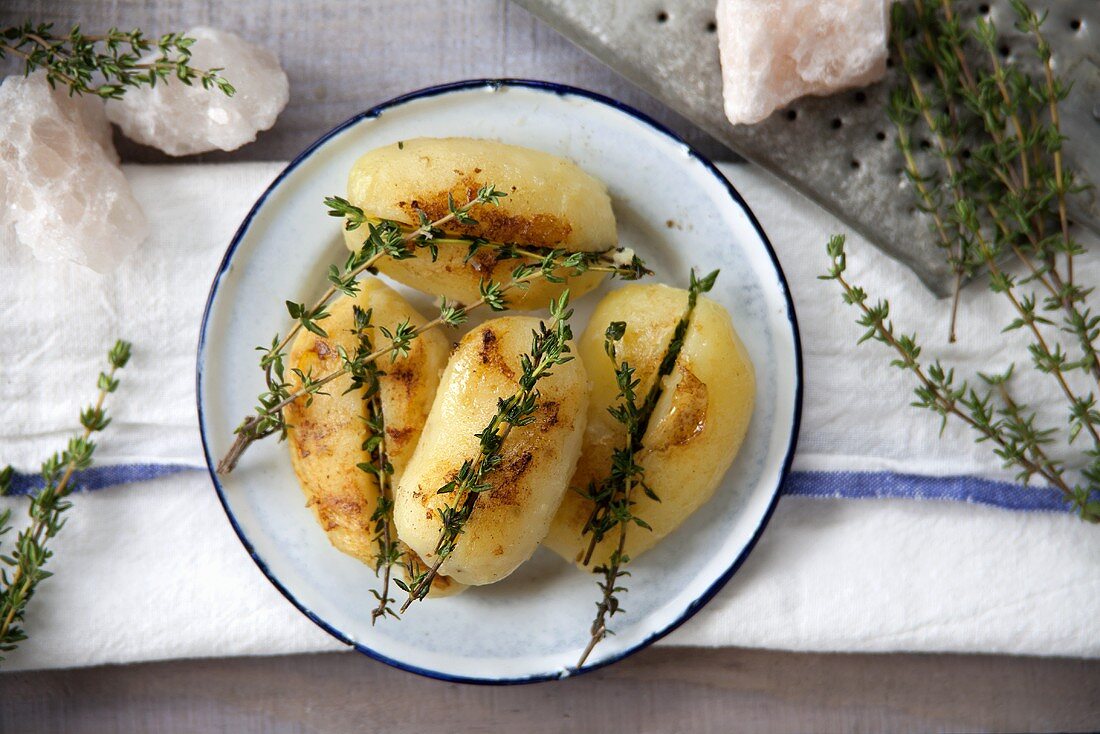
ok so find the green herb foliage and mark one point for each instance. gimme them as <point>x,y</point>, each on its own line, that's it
<point>1010,426</point>
<point>24,564</point>
<point>996,194</point>
<point>366,379</point>
<point>387,239</point>
<point>549,349</point>
<point>106,65</point>
<point>613,498</point>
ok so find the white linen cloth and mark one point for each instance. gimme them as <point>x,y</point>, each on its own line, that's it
<point>152,570</point>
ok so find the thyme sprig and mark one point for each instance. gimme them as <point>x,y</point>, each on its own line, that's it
<point>367,380</point>
<point>997,193</point>
<point>549,349</point>
<point>613,498</point>
<point>1011,427</point>
<point>106,65</point>
<point>384,239</point>
<point>1000,193</point>
<point>388,239</point>
<point>28,558</point>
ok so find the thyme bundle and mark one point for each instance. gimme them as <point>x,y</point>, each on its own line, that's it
<point>997,198</point>
<point>1009,425</point>
<point>106,65</point>
<point>24,564</point>
<point>549,349</point>
<point>390,239</point>
<point>613,498</point>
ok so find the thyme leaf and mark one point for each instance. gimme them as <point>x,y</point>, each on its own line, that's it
<point>549,349</point>
<point>23,567</point>
<point>613,498</point>
<point>386,239</point>
<point>996,191</point>
<point>106,65</point>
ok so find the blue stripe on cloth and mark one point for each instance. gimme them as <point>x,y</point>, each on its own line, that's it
<point>822,484</point>
<point>101,477</point>
<point>890,485</point>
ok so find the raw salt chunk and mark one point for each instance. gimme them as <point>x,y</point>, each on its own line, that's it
<point>774,51</point>
<point>181,119</point>
<point>61,190</point>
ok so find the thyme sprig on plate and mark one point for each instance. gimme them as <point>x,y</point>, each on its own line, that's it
<point>25,563</point>
<point>549,349</point>
<point>1009,425</point>
<point>106,65</point>
<point>384,239</point>
<point>367,380</point>
<point>387,239</point>
<point>614,497</point>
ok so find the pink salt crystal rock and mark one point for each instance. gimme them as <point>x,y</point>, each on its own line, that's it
<point>61,190</point>
<point>774,51</point>
<point>181,119</point>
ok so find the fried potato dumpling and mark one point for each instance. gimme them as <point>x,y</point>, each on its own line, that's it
<point>511,519</point>
<point>550,202</point>
<point>326,435</point>
<point>696,429</point>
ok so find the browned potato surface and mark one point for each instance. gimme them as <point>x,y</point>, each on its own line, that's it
<point>550,202</point>
<point>511,519</point>
<point>697,426</point>
<point>326,435</point>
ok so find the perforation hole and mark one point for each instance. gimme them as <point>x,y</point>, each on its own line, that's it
<point>880,136</point>
<point>662,16</point>
<point>854,164</point>
<point>836,123</point>
<point>712,27</point>
<point>861,97</point>
<point>1075,24</point>
<point>792,115</point>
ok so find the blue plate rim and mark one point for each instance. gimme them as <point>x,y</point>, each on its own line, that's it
<point>560,90</point>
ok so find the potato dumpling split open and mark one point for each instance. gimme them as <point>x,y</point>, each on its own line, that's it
<point>326,436</point>
<point>697,425</point>
<point>511,519</point>
<point>550,202</point>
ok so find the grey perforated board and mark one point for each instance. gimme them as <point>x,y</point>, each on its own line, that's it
<point>839,151</point>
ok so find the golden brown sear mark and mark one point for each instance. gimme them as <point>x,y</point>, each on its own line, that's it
<point>484,260</point>
<point>404,375</point>
<point>550,411</point>
<point>334,512</point>
<point>506,479</point>
<point>687,417</point>
<point>489,352</point>
<point>312,437</point>
<point>399,436</point>
<point>493,223</point>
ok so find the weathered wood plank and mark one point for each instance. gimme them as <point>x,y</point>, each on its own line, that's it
<point>345,56</point>
<point>658,690</point>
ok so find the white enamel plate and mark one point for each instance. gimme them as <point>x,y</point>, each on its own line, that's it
<point>676,210</point>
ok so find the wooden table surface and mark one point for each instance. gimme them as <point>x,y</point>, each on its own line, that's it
<point>658,690</point>
<point>344,56</point>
